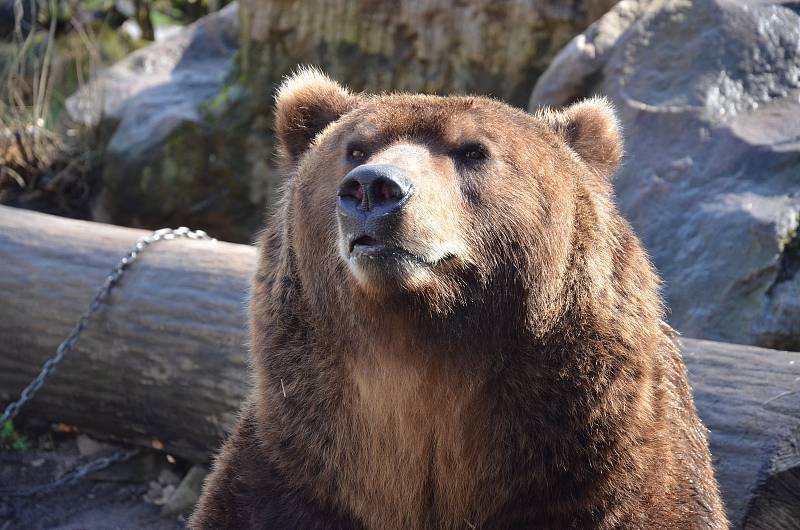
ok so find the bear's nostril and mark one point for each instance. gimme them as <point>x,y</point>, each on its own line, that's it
<point>388,190</point>
<point>352,189</point>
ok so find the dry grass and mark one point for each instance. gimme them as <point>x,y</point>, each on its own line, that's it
<point>44,164</point>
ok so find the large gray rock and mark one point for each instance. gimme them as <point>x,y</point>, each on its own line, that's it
<point>162,111</point>
<point>709,97</point>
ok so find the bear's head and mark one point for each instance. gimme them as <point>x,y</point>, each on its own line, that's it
<point>445,209</point>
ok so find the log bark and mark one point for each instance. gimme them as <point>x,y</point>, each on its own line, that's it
<point>166,358</point>
<point>749,398</point>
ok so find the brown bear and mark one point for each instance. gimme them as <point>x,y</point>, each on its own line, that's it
<point>453,327</point>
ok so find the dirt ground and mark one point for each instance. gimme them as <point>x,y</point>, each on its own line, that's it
<point>127,495</point>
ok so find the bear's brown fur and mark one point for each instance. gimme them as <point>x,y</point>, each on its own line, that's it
<point>507,368</point>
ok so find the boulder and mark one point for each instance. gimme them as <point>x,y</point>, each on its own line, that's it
<point>709,97</point>
<point>161,112</point>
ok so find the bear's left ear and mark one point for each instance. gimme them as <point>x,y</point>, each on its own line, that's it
<point>591,129</point>
<point>306,103</point>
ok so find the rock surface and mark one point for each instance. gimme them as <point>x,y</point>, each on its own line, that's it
<point>481,46</point>
<point>709,97</point>
<point>162,163</point>
<point>184,498</point>
<point>88,446</point>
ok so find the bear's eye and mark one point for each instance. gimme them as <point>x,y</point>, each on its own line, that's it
<point>472,153</point>
<point>355,154</point>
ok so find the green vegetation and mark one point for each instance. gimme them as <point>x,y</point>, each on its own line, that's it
<point>789,263</point>
<point>10,438</point>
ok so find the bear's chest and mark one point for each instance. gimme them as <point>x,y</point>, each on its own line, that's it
<point>411,457</point>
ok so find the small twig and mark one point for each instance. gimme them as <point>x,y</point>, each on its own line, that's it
<point>90,42</point>
<point>41,99</point>
<point>14,176</point>
<point>22,150</point>
<point>782,394</point>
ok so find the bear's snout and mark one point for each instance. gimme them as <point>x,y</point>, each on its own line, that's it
<point>370,197</point>
<point>373,189</point>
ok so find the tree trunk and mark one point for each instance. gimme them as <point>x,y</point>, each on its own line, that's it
<point>166,358</point>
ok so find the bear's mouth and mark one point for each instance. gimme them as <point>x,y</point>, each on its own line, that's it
<point>377,251</point>
<point>365,246</point>
<point>364,242</point>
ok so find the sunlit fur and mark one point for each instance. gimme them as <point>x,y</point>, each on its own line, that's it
<point>515,374</point>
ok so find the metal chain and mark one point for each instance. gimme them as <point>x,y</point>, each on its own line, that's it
<point>165,234</point>
<point>113,278</point>
<point>73,476</point>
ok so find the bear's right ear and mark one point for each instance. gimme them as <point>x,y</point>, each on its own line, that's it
<point>305,104</point>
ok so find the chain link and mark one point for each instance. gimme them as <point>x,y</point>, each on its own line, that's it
<point>72,476</point>
<point>113,278</point>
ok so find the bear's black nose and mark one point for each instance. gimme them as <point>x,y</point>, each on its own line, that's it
<point>373,189</point>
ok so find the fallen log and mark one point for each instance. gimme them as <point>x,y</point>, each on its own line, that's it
<point>749,398</point>
<point>166,358</point>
